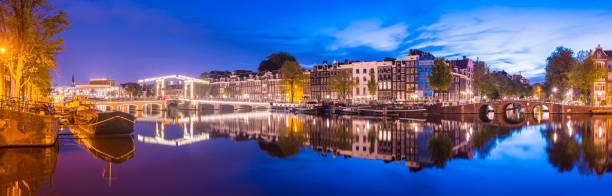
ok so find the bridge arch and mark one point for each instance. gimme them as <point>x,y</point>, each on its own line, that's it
<point>226,107</point>
<point>541,112</point>
<point>513,112</point>
<point>486,113</point>
<point>207,106</point>
<point>245,107</point>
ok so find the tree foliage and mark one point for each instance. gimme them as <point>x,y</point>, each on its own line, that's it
<point>565,72</point>
<point>483,80</point>
<point>388,59</point>
<point>228,92</point>
<point>538,91</point>
<point>558,64</point>
<point>372,86</point>
<point>214,91</point>
<point>133,89</point>
<point>293,75</point>
<point>495,84</point>
<point>584,73</point>
<point>342,83</point>
<point>30,29</point>
<point>441,77</point>
<point>275,61</point>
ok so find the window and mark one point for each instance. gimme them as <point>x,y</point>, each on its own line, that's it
<point>357,71</point>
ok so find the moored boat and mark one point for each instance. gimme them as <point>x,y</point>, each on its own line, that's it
<point>110,123</point>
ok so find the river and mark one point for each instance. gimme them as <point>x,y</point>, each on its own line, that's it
<point>266,153</point>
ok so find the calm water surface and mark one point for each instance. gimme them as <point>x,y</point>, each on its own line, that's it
<point>263,153</point>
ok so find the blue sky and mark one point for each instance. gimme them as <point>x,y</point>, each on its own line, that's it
<point>129,40</point>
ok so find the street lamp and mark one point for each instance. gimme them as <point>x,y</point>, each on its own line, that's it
<point>2,50</point>
<point>554,90</point>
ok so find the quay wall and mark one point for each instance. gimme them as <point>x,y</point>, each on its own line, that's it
<point>27,129</point>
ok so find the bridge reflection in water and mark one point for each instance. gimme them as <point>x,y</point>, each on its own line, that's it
<point>416,143</point>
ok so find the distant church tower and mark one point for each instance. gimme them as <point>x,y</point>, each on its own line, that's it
<point>72,80</point>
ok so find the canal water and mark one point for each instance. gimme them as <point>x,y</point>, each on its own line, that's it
<point>264,153</point>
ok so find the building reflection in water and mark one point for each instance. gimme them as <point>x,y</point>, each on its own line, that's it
<point>283,135</point>
<point>416,143</point>
<point>25,170</point>
<point>581,142</point>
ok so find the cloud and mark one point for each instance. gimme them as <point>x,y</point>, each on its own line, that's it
<point>515,40</point>
<point>370,33</point>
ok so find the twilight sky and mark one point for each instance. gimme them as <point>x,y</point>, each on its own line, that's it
<point>127,40</point>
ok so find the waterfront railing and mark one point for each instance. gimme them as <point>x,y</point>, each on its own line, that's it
<point>25,105</point>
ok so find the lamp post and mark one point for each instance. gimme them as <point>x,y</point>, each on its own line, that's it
<point>2,78</point>
<point>554,90</point>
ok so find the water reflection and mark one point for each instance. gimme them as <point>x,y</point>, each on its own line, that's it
<point>114,149</point>
<point>415,143</point>
<point>579,144</point>
<point>25,170</point>
<point>582,143</point>
<point>284,135</point>
<point>514,113</point>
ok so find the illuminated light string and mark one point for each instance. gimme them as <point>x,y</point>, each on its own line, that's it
<point>211,117</point>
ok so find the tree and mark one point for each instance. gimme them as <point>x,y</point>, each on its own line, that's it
<point>227,91</point>
<point>372,86</point>
<point>275,61</point>
<point>558,64</point>
<point>31,28</point>
<point>293,75</point>
<point>342,83</point>
<point>388,59</point>
<point>133,89</point>
<point>483,82</point>
<point>202,90</point>
<point>538,91</point>
<point>204,75</point>
<point>584,73</point>
<point>441,77</point>
<point>214,91</point>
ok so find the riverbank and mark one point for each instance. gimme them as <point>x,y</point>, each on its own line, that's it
<point>27,129</point>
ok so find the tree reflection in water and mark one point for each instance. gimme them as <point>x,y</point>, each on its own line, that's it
<point>441,148</point>
<point>583,143</point>
<point>486,137</point>
<point>25,170</point>
<point>563,152</point>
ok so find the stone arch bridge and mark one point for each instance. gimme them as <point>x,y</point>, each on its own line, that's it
<point>527,106</point>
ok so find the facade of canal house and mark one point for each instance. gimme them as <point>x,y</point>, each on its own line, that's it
<point>248,85</point>
<point>461,89</point>
<point>397,81</point>
<point>602,89</point>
